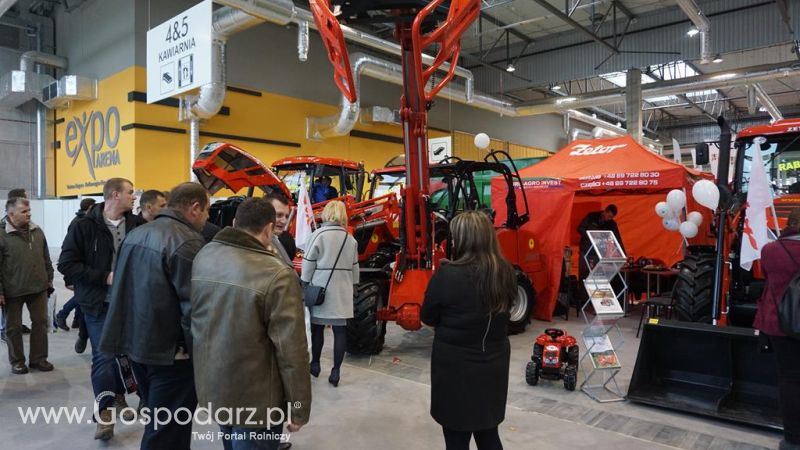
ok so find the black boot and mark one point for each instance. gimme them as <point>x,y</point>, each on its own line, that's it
<point>334,378</point>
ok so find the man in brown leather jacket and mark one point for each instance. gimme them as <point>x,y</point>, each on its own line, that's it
<point>250,354</point>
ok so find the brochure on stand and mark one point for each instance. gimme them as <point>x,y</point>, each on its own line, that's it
<point>605,245</point>
<point>604,300</point>
<point>601,352</point>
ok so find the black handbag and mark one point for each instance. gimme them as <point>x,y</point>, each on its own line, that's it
<point>315,295</point>
<point>789,306</point>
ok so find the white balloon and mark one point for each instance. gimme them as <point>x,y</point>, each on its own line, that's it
<point>662,210</point>
<point>671,223</point>
<point>676,200</point>
<point>482,140</point>
<point>706,193</point>
<point>695,217</point>
<point>688,229</point>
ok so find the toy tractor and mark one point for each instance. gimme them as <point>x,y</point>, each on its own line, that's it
<point>555,357</point>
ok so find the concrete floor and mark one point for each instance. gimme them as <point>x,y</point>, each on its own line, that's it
<point>382,402</point>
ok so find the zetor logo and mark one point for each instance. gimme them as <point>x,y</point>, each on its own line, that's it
<point>586,149</point>
<point>89,134</point>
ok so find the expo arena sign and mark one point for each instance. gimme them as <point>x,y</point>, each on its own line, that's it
<point>89,134</point>
<point>586,149</point>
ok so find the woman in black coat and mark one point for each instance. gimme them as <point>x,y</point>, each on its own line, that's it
<point>467,300</point>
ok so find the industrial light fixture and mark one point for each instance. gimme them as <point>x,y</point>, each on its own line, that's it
<point>692,32</point>
<point>555,87</point>
<point>762,109</point>
<point>717,59</point>
<point>561,101</point>
<point>510,68</point>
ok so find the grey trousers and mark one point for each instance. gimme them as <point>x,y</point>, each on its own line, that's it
<point>37,308</point>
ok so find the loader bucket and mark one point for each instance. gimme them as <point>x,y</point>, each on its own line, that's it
<point>708,370</point>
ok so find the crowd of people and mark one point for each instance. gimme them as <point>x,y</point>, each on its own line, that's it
<point>183,312</point>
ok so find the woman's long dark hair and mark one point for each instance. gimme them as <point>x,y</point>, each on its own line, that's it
<point>475,242</point>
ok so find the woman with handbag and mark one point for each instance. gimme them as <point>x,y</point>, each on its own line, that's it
<point>467,300</point>
<point>780,261</point>
<point>330,269</point>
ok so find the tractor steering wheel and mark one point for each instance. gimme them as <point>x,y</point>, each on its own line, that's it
<point>554,333</point>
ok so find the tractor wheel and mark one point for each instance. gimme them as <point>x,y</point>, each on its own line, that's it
<point>573,355</point>
<point>522,307</point>
<point>570,377</point>
<point>532,373</point>
<point>693,288</point>
<point>365,333</point>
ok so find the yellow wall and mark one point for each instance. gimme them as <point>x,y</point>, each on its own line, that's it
<point>464,148</point>
<point>160,160</point>
<point>73,175</point>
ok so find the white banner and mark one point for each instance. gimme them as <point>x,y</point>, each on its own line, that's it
<point>759,198</point>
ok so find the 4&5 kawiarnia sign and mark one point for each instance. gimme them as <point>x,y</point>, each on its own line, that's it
<point>179,53</point>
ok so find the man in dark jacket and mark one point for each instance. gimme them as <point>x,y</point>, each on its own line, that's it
<point>87,261</point>
<point>149,314</point>
<point>72,304</point>
<point>243,292</point>
<point>594,221</point>
<point>26,274</point>
<point>151,203</point>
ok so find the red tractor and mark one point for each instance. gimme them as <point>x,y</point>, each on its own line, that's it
<point>420,26</point>
<point>555,357</point>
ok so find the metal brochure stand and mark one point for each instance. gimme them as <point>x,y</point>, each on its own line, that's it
<point>599,363</point>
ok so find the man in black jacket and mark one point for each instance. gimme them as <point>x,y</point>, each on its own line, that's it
<point>87,261</point>
<point>149,315</point>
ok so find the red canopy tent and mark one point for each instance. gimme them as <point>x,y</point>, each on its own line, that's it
<point>586,176</point>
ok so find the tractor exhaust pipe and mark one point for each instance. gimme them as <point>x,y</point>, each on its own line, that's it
<point>723,167</point>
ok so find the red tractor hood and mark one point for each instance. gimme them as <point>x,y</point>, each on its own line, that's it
<point>220,165</point>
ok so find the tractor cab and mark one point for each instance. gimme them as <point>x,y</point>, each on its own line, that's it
<point>325,178</point>
<point>779,146</point>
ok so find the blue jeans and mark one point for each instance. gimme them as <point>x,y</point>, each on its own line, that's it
<point>105,373</point>
<point>68,307</point>
<point>242,438</point>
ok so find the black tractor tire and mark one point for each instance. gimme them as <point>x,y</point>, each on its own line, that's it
<point>693,289</point>
<point>532,373</point>
<point>573,356</point>
<point>365,333</point>
<point>522,307</point>
<point>570,378</point>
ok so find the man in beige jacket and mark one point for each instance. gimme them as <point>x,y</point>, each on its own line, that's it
<point>250,356</point>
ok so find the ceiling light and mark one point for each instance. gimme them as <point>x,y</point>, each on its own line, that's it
<point>762,109</point>
<point>565,100</point>
<point>556,87</point>
<point>717,59</point>
<point>510,68</point>
<point>692,32</point>
<point>723,76</point>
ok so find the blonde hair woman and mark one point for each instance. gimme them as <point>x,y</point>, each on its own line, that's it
<point>332,259</point>
<point>467,300</point>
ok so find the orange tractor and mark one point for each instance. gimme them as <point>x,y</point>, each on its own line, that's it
<point>420,26</point>
<point>710,361</point>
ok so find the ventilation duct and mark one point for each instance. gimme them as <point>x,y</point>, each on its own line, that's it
<point>67,89</point>
<point>380,114</point>
<point>703,25</point>
<point>18,87</point>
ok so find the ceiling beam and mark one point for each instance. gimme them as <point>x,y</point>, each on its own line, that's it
<point>500,24</point>
<point>574,24</point>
